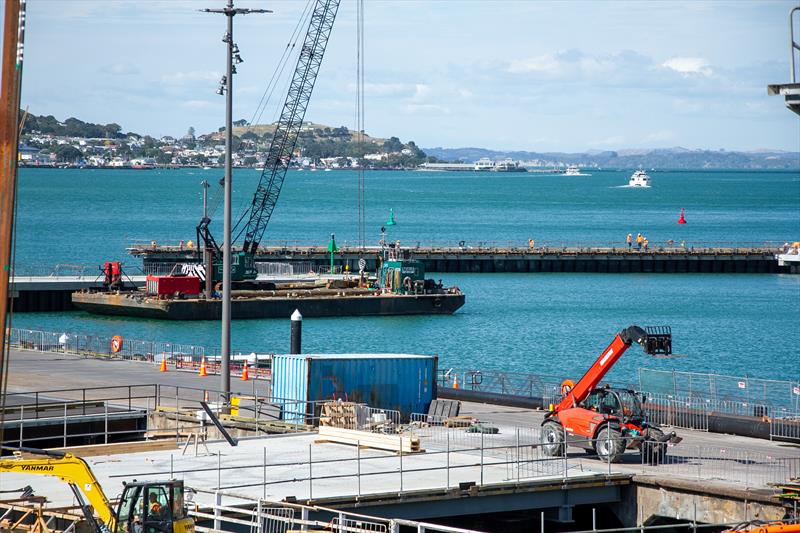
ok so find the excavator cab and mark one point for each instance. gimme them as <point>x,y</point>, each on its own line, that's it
<point>153,507</point>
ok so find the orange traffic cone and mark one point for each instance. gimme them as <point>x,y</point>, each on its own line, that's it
<point>163,364</point>
<point>203,372</point>
<point>455,381</point>
<point>245,375</point>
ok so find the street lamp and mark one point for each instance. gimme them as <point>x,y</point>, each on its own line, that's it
<point>226,88</point>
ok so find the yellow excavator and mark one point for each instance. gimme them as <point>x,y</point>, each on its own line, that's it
<point>145,506</point>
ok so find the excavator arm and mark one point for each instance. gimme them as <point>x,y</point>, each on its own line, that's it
<point>71,470</point>
<point>655,340</point>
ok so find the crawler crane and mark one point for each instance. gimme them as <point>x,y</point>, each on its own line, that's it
<point>609,420</point>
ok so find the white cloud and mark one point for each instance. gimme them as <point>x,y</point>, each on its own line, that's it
<point>688,65</point>
<point>183,78</point>
<point>421,92</point>
<point>119,69</point>
<point>614,140</point>
<point>427,109</point>
<point>542,63</point>
<point>197,104</point>
<point>682,105</point>
<point>660,136</point>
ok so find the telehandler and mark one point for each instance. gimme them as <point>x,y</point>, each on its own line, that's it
<point>609,420</point>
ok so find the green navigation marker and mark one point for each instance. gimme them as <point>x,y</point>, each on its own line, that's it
<point>332,249</point>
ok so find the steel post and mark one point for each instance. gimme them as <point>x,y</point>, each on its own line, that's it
<point>264,475</point>
<point>448,460</point>
<point>481,456</point>
<point>310,476</point>
<point>225,348</point>
<point>358,466</point>
<point>401,464</point>
<point>295,344</point>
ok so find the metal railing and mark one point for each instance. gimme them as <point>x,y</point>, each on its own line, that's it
<point>498,382</point>
<point>265,516</point>
<point>775,394</point>
<point>179,356</point>
<point>174,407</point>
<point>785,427</point>
<point>58,270</point>
<point>522,244</point>
<point>732,465</point>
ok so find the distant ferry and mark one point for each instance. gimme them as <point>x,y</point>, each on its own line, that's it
<point>484,163</point>
<point>508,166</point>
<point>639,179</point>
<point>574,170</point>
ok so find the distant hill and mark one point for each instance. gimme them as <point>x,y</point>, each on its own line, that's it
<point>677,158</point>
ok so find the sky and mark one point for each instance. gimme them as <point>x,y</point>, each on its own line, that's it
<point>517,75</point>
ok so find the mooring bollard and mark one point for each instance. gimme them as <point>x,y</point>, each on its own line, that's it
<point>297,332</point>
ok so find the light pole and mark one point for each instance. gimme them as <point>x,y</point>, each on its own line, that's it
<point>226,88</point>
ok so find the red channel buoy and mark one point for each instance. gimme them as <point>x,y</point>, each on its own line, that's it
<point>682,218</point>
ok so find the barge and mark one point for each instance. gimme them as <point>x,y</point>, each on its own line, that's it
<point>399,289</point>
<point>271,304</point>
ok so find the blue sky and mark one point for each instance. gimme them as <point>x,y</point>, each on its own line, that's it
<point>544,76</point>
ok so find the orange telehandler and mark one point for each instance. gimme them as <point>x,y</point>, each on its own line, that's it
<point>609,420</point>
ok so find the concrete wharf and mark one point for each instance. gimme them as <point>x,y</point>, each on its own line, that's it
<point>462,479</point>
<point>509,257</point>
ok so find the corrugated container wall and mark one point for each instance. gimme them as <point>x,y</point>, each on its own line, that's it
<point>402,382</point>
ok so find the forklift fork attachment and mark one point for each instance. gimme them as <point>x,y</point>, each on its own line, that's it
<point>658,340</point>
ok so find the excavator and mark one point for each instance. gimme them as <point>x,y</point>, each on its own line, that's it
<point>607,420</point>
<point>144,507</point>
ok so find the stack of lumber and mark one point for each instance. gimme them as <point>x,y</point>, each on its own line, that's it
<point>340,414</point>
<point>380,441</point>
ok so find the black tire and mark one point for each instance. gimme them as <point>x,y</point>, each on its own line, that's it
<point>552,439</point>
<point>609,446</point>
<point>654,451</point>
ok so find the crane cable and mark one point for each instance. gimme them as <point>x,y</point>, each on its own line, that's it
<point>288,53</point>
<point>360,119</point>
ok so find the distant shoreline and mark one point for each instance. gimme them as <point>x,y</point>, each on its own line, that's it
<point>536,171</point>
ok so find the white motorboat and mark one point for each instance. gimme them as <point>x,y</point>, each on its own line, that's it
<point>574,170</point>
<point>639,179</point>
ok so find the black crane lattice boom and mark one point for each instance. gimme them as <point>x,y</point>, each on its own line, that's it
<point>288,128</point>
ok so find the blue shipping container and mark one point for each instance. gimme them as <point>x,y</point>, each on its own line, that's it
<point>402,382</point>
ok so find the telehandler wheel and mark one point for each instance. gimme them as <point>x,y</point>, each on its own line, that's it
<point>654,451</point>
<point>610,446</point>
<point>552,439</point>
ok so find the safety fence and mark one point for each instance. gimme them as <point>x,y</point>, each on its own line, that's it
<point>178,356</point>
<point>498,382</point>
<point>733,465</point>
<point>698,396</point>
<point>96,414</point>
<point>773,394</point>
<point>58,270</point>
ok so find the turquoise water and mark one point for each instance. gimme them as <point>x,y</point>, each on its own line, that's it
<point>543,323</point>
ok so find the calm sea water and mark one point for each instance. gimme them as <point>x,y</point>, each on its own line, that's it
<point>543,323</point>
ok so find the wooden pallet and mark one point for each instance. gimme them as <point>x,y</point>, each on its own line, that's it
<point>380,441</point>
<point>339,414</point>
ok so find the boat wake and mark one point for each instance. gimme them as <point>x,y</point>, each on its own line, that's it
<point>630,187</point>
